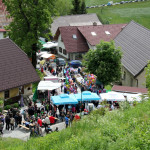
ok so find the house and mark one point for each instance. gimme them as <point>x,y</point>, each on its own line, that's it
<point>74,20</point>
<point>3,15</point>
<point>73,41</point>
<point>134,41</point>
<point>127,89</point>
<point>2,33</point>
<point>16,71</point>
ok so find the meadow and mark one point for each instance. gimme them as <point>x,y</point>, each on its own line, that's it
<point>124,13</point>
<point>126,128</point>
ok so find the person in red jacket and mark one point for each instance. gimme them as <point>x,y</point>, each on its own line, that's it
<point>39,122</point>
<point>52,120</point>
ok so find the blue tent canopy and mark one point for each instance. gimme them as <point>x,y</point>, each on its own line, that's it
<point>87,96</point>
<point>64,99</point>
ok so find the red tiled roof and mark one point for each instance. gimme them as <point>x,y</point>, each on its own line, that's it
<point>15,67</point>
<point>129,89</point>
<point>73,45</point>
<point>2,30</point>
<point>113,29</point>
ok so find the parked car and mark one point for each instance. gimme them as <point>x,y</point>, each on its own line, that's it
<point>60,62</point>
<point>75,63</point>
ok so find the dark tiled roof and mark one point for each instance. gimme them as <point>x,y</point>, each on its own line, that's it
<point>101,32</point>
<point>15,67</point>
<point>128,89</point>
<point>73,45</point>
<point>135,43</point>
<point>2,30</point>
<point>72,20</point>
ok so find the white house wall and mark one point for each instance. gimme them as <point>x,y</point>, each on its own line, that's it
<point>61,44</point>
<point>130,80</point>
<point>1,35</point>
<point>91,46</point>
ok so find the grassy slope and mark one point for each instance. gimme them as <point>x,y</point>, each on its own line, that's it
<point>139,12</point>
<point>117,130</point>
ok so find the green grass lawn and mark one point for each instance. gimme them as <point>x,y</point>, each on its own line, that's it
<point>139,12</point>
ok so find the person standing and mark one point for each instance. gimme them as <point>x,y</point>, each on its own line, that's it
<point>1,127</point>
<point>19,119</point>
<point>7,120</point>
<point>39,122</point>
<point>66,121</point>
<point>12,121</point>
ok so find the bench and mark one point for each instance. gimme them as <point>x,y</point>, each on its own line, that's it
<point>23,127</point>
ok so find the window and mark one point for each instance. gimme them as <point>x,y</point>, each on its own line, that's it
<point>107,32</point>
<point>93,33</point>
<point>64,52</point>
<point>60,49</point>
<point>6,94</point>
<point>124,75</point>
<point>74,36</point>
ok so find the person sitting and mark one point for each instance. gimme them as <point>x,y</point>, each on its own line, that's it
<point>48,129</point>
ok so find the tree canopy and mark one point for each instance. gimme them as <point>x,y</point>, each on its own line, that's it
<point>29,19</point>
<point>79,7</point>
<point>63,7</point>
<point>147,69</point>
<point>104,62</point>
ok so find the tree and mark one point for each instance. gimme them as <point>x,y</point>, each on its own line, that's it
<point>104,62</point>
<point>29,19</point>
<point>76,7</point>
<point>63,7</point>
<point>147,69</point>
<point>83,8</point>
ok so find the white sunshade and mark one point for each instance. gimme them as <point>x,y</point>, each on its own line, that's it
<point>112,96</point>
<point>41,53</point>
<point>46,55</point>
<point>48,85</point>
<point>50,45</point>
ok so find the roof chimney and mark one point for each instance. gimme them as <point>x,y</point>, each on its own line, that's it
<point>94,23</point>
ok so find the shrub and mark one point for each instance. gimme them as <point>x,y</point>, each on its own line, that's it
<point>8,102</point>
<point>16,105</point>
<point>1,109</point>
<point>7,107</point>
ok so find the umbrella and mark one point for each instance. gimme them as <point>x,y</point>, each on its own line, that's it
<point>87,96</point>
<point>50,45</point>
<point>64,99</point>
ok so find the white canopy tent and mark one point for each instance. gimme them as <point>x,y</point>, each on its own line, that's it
<point>48,85</point>
<point>112,96</point>
<point>132,97</point>
<point>46,55</point>
<point>50,45</point>
<point>41,53</point>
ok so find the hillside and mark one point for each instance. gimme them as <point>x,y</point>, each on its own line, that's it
<point>117,130</point>
<point>139,12</point>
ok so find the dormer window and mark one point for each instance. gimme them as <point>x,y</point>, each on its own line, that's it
<point>74,36</point>
<point>93,33</point>
<point>107,32</point>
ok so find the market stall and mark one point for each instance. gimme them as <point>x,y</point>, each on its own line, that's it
<point>112,96</point>
<point>64,99</point>
<point>49,86</point>
<point>87,96</point>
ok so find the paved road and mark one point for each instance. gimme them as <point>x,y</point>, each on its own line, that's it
<point>23,134</point>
